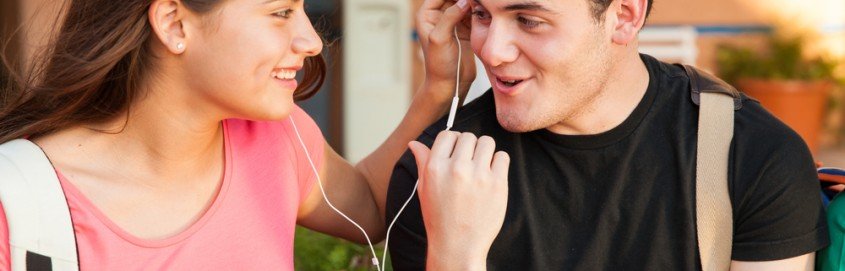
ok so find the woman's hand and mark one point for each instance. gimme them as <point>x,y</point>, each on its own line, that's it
<point>463,193</point>
<point>436,23</point>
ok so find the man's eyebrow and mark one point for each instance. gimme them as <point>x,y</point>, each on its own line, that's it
<point>529,6</point>
<point>271,1</point>
<point>524,6</point>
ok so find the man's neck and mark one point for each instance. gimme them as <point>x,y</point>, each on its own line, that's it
<point>626,86</point>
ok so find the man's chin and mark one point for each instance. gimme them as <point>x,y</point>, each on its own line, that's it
<point>514,123</point>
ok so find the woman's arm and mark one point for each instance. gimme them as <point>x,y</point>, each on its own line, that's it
<point>360,191</point>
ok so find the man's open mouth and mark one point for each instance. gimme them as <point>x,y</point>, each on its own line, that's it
<point>509,83</point>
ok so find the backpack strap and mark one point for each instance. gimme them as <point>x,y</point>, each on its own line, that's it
<point>703,82</point>
<point>41,234</point>
<point>714,215</point>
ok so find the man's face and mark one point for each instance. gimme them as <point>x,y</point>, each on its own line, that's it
<point>546,59</point>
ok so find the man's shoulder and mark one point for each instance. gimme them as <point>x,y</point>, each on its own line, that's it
<point>752,120</point>
<point>758,131</point>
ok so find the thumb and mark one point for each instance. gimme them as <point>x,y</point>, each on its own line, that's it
<point>421,153</point>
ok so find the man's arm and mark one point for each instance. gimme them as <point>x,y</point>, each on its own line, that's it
<point>778,212</point>
<point>804,262</point>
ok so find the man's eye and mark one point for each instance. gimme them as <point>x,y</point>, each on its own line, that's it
<point>527,23</point>
<point>481,15</point>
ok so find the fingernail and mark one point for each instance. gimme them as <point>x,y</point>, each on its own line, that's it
<point>462,3</point>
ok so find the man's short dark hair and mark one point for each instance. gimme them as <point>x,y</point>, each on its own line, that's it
<point>600,6</point>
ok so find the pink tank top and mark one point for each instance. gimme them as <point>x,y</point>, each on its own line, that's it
<point>249,226</point>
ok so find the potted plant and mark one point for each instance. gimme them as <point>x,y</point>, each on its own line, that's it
<point>794,88</point>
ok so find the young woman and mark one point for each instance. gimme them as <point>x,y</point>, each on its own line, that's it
<point>173,130</point>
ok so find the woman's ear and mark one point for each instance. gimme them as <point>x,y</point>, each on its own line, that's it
<point>166,19</point>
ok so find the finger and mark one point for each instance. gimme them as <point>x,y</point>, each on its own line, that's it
<point>501,164</point>
<point>432,4</point>
<point>465,147</point>
<point>444,29</point>
<point>465,27</point>
<point>421,154</point>
<point>484,150</point>
<point>447,4</point>
<point>444,144</point>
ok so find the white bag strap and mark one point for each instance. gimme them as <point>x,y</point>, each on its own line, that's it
<point>714,214</point>
<point>41,234</point>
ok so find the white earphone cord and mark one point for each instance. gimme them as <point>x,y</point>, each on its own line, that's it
<point>449,124</point>
<point>450,121</point>
<point>323,191</point>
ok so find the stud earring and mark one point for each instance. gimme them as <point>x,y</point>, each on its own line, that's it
<point>180,46</point>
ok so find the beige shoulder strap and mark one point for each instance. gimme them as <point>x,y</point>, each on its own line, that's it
<point>714,214</point>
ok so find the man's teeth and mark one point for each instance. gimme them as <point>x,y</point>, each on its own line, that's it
<point>510,82</point>
<point>285,75</point>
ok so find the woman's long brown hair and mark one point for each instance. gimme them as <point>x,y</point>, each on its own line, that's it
<point>92,69</point>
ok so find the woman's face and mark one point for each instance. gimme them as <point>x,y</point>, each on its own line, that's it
<point>243,56</point>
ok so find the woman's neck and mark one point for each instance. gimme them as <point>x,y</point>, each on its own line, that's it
<point>168,135</point>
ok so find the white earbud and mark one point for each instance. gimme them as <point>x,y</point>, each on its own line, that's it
<point>454,108</point>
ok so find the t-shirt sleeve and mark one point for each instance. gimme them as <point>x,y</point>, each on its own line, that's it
<point>313,139</point>
<point>778,212</point>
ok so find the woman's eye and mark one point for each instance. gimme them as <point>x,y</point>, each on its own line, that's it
<point>284,13</point>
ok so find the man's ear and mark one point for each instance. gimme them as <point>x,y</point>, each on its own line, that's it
<point>630,17</point>
<point>166,19</point>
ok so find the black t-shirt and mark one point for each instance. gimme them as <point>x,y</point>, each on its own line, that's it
<point>624,199</point>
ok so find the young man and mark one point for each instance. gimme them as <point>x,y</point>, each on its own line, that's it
<point>603,147</point>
